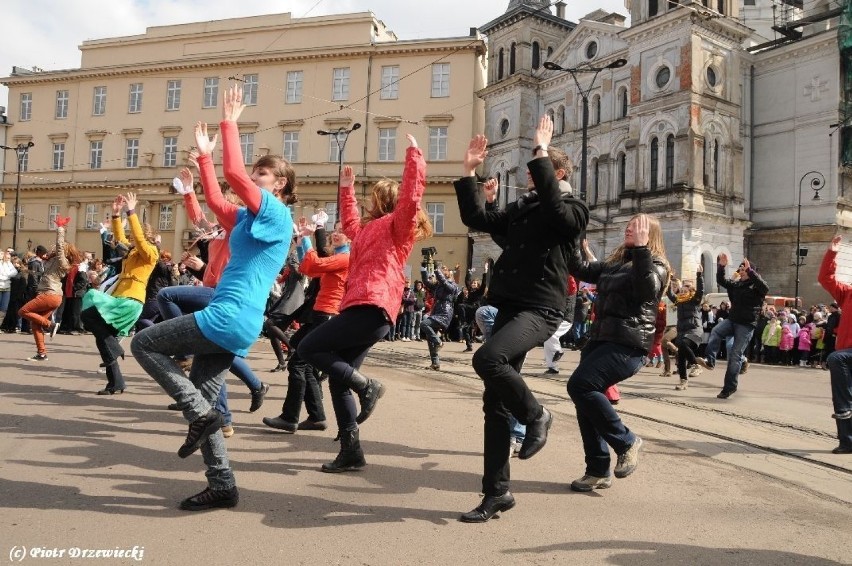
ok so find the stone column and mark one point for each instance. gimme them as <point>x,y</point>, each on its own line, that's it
<point>180,224</point>
<point>71,229</point>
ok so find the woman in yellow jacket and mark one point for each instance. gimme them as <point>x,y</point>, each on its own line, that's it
<point>109,315</point>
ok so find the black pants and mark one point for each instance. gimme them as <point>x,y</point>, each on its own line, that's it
<point>302,383</point>
<point>498,362</point>
<point>686,350</point>
<point>338,347</point>
<point>71,315</point>
<point>106,339</point>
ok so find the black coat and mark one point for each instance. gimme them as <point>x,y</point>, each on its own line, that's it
<point>629,294</point>
<point>689,323</point>
<point>537,236</point>
<point>746,296</point>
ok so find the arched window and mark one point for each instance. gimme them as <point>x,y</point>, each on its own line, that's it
<point>716,165</point>
<point>552,115</point>
<point>670,146</point>
<point>536,55</point>
<point>596,110</point>
<point>500,65</point>
<point>704,176</point>
<point>559,126</point>
<point>623,103</point>
<point>549,52</point>
<point>596,176</point>
<point>653,8</point>
<point>720,6</point>
<point>622,172</point>
<point>512,60</point>
<point>655,162</point>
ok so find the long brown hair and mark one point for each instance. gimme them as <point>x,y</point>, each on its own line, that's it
<point>383,199</point>
<point>282,169</point>
<point>72,254</point>
<point>655,245</point>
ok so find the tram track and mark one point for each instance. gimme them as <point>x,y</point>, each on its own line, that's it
<point>397,359</point>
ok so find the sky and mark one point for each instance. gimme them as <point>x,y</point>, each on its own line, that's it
<point>46,33</point>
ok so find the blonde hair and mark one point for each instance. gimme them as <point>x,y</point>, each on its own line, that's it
<point>383,199</point>
<point>655,245</point>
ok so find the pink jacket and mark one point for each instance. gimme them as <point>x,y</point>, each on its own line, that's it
<point>381,247</point>
<point>786,342</point>
<point>805,338</point>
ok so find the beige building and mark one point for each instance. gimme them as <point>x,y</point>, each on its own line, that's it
<point>124,120</point>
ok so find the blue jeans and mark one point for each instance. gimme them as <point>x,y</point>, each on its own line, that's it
<point>154,349</point>
<point>414,329</point>
<point>742,335</point>
<point>840,366</point>
<point>429,330</point>
<point>602,365</point>
<point>4,301</point>
<point>484,317</point>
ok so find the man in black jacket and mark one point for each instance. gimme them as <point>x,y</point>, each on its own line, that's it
<point>746,294</point>
<point>538,234</point>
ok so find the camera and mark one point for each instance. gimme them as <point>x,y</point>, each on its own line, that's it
<point>429,252</point>
<point>428,262</point>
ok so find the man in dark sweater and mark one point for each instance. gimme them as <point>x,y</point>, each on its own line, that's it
<point>746,293</point>
<point>538,234</point>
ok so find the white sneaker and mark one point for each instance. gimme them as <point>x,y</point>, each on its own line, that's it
<point>684,383</point>
<point>694,371</point>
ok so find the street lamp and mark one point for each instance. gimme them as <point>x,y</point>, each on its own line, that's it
<point>341,136</point>
<point>21,151</point>
<point>549,65</point>
<point>817,183</point>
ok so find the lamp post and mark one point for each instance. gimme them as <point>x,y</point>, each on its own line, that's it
<point>817,183</point>
<point>21,151</point>
<point>341,136</point>
<point>584,94</point>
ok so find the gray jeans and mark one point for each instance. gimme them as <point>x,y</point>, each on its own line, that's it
<point>154,347</point>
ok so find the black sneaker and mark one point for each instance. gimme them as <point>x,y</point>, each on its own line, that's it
<point>558,356</point>
<point>199,430</point>
<point>281,424</point>
<point>173,407</point>
<point>551,371</point>
<point>257,397</point>
<point>39,358</point>
<point>725,393</point>
<point>212,499</point>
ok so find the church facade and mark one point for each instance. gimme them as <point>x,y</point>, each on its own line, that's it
<point>694,115</point>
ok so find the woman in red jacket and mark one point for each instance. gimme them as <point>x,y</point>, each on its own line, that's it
<point>381,244</point>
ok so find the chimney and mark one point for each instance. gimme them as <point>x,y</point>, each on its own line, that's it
<point>560,10</point>
<point>473,32</point>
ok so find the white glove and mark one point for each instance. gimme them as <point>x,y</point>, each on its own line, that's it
<point>178,185</point>
<point>320,218</point>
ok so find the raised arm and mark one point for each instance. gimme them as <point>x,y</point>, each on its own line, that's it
<point>61,223</point>
<point>224,211</point>
<point>585,267</point>
<point>233,163</point>
<point>472,201</point>
<point>721,263</point>
<point>349,217</point>
<point>404,216</point>
<point>118,235</point>
<point>699,285</point>
<point>828,272</point>
<point>144,247</point>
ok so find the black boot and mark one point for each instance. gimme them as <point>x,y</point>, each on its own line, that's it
<point>115,381</point>
<point>350,458</point>
<point>369,391</point>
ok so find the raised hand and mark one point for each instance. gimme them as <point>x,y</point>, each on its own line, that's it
<point>834,246</point>
<point>722,260</point>
<point>305,228</point>
<point>232,103</point>
<point>347,176</point>
<point>700,268</point>
<point>117,203</point>
<point>183,182</point>
<point>320,218</point>
<point>489,189</point>
<point>204,144</point>
<point>411,141</point>
<point>746,264</point>
<point>544,131</point>
<point>643,229</point>
<point>62,222</point>
<point>193,262</point>
<point>476,153</point>
<point>130,201</point>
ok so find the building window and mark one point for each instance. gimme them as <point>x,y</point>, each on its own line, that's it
<point>390,82</point>
<point>25,161</point>
<point>61,104</point>
<point>670,146</point>
<point>58,156</point>
<point>504,127</point>
<point>591,49</point>
<point>536,55</point>
<point>166,217</point>
<point>622,103</point>
<point>716,165</point>
<point>387,144</point>
<point>250,90</point>
<point>52,215</point>
<point>720,6</point>
<point>440,80</point>
<point>173,95</point>
<point>331,210</point>
<point>26,106</point>
<point>596,176</point>
<point>247,147</point>
<point>559,125</point>
<point>135,104</point>
<point>131,153</point>
<point>500,70</point>
<point>664,74</point>
<point>622,172</point>
<point>96,152</point>
<point>294,87</point>
<point>334,154</point>
<point>99,101</point>
<point>435,211</point>
<point>653,8</point>
<point>596,109</point>
<point>655,159</point>
<point>20,217</point>
<point>291,146</point>
<point>340,84</point>
<point>92,217</point>
<point>513,52</point>
<point>211,92</point>
<point>438,143</point>
<point>170,146</point>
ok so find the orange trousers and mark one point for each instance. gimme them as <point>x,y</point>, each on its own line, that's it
<point>38,312</point>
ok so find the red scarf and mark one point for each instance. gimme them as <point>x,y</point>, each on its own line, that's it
<point>69,280</point>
